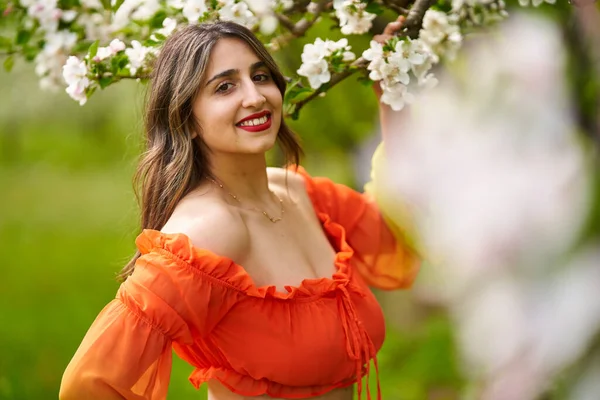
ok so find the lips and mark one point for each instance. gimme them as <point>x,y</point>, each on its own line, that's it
<point>257,128</point>
<point>253,116</point>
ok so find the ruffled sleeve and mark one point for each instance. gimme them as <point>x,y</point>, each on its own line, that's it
<point>126,353</point>
<point>382,254</point>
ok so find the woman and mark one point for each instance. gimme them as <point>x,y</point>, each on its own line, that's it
<point>256,276</point>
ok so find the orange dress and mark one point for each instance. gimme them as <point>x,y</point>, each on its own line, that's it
<point>305,342</point>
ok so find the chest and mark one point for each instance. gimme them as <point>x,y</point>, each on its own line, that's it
<point>289,251</point>
<point>302,343</point>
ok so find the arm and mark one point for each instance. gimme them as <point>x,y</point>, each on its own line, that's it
<point>381,254</point>
<point>121,357</point>
<point>126,353</point>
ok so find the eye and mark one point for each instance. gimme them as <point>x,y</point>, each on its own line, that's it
<point>261,77</point>
<point>223,87</point>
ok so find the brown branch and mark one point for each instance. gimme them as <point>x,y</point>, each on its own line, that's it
<point>299,28</point>
<point>414,20</point>
<point>413,24</point>
<point>399,6</point>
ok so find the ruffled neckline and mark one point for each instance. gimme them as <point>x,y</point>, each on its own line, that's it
<point>224,270</point>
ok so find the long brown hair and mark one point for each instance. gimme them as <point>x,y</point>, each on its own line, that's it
<point>173,163</point>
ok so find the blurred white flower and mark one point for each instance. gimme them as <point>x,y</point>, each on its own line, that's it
<point>68,15</point>
<point>140,10</point>
<point>91,4</point>
<point>60,41</point>
<point>498,190</point>
<point>396,95</point>
<point>238,13</point>
<point>169,25</point>
<point>535,3</point>
<point>95,26</point>
<point>177,4</point>
<point>268,24</point>
<point>440,34</point>
<point>194,9</point>
<point>354,20</point>
<point>49,67</point>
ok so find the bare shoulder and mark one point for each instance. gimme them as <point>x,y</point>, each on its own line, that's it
<point>217,227</point>
<point>286,179</point>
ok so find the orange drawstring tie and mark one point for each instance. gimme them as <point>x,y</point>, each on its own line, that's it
<point>359,345</point>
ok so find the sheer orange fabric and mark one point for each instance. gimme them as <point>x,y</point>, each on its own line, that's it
<point>295,344</point>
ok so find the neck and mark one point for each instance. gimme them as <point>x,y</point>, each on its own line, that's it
<point>244,176</point>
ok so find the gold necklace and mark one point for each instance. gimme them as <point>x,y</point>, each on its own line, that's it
<point>272,219</point>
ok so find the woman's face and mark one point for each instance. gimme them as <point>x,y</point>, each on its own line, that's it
<point>238,104</point>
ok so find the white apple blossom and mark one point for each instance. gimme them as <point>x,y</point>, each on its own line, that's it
<point>48,66</point>
<point>535,3</point>
<point>91,4</point>
<point>286,4</point>
<point>60,41</point>
<point>77,91</point>
<point>316,57</point>
<point>392,69</point>
<point>238,13</point>
<point>95,26</point>
<point>315,52</point>
<point>68,15</point>
<point>354,20</point>
<point>479,12</point>
<point>176,4</point>
<point>75,74</point>
<point>316,72</point>
<point>137,55</point>
<point>440,34</point>
<point>396,95</point>
<point>46,12</point>
<point>169,25</point>
<point>139,10</point>
<point>194,9</point>
<point>112,49</point>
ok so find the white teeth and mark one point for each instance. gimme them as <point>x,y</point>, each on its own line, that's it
<point>255,121</point>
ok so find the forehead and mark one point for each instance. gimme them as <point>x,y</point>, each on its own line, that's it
<point>230,53</point>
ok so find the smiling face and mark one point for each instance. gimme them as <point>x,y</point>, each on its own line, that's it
<point>238,105</point>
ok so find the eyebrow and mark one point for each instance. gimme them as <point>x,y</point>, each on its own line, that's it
<point>231,72</point>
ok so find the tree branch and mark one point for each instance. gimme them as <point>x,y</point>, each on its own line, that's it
<point>413,25</point>
<point>414,20</point>
<point>299,28</point>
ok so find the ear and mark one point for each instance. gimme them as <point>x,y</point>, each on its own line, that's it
<point>194,135</point>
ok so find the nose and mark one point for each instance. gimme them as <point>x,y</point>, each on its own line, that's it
<point>253,98</point>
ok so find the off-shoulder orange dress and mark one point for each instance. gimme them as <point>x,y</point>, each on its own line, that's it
<point>305,342</point>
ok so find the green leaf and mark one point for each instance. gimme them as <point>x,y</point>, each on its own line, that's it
<point>118,4</point>
<point>93,50</point>
<point>106,4</point>
<point>156,22</point>
<point>23,37</point>
<point>9,63</point>
<point>374,8</point>
<point>298,94</point>
<point>363,80</point>
<point>105,81</point>
<point>30,52</point>
<point>123,61</point>
<point>5,42</point>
